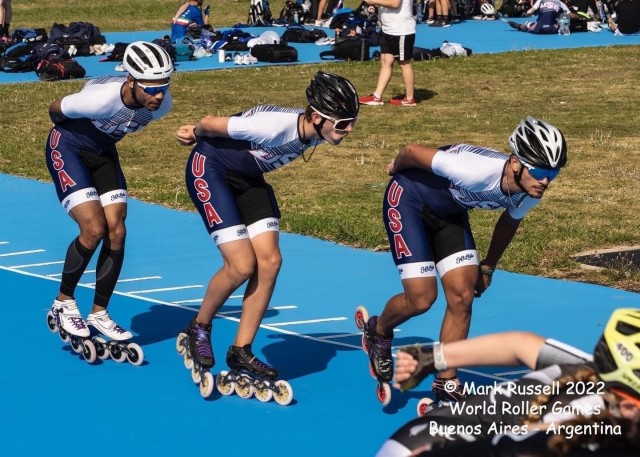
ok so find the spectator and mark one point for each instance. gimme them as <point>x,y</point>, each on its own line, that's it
<point>548,12</point>
<point>627,17</point>
<point>6,11</point>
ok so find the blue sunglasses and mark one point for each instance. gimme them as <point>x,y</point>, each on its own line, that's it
<point>154,90</point>
<point>539,174</point>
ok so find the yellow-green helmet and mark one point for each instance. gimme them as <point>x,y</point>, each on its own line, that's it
<point>617,354</point>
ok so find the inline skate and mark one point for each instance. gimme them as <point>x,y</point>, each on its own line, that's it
<point>194,344</point>
<point>65,319</point>
<point>445,391</point>
<point>251,376</point>
<point>379,351</point>
<point>118,348</point>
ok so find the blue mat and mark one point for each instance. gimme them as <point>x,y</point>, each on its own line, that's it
<point>480,36</point>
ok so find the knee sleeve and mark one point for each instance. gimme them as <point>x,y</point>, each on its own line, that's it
<point>75,263</point>
<point>107,274</point>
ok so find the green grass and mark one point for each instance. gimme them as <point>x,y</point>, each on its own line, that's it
<point>591,94</point>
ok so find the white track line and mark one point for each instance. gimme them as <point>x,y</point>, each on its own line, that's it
<point>43,264</point>
<point>86,272</point>
<point>235,319</point>
<point>310,321</point>
<point>4,242</point>
<point>9,254</point>
<point>142,278</point>
<point>165,289</point>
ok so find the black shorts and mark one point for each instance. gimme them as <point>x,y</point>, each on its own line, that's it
<point>400,46</point>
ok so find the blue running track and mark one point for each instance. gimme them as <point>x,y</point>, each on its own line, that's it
<point>55,404</point>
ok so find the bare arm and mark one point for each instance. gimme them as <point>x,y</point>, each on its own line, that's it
<point>504,349</point>
<point>209,126</point>
<point>412,156</point>
<point>503,233</point>
<point>55,112</point>
<point>181,10</point>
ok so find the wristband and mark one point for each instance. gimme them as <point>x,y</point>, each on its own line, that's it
<point>486,270</point>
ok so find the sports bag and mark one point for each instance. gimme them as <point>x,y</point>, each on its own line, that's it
<point>299,34</point>
<point>274,53</point>
<point>349,49</point>
<point>183,52</point>
<point>56,68</point>
<point>19,58</point>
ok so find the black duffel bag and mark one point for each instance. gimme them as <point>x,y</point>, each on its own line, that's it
<point>274,53</point>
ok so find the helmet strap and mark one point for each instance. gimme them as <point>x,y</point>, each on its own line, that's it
<point>132,88</point>
<point>517,177</point>
<point>318,128</point>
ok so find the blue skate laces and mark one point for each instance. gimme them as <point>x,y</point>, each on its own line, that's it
<point>77,322</point>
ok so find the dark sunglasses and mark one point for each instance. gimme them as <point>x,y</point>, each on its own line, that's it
<point>340,125</point>
<point>154,90</point>
<point>539,174</point>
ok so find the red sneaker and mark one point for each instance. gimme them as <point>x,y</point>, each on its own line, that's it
<point>404,101</point>
<point>371,100</point>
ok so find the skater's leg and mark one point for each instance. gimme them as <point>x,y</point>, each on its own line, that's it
<point>111,255</point>
<point>260,287</point>
<point>458,287</point>
<point>418,296</point>
<point>91,221</point>
<point>239,263</point>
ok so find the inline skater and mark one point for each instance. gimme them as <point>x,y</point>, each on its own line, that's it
<point>82,159</point>
<point>224,177</point>
<point>546,22</point>
<point>601,394</point>
<point>425,212</point>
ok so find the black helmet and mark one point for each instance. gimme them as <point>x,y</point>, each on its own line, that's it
<point>539,144</point>
<point>333,94</point>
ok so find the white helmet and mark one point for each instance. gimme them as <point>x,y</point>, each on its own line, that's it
<point>487,9</point>
<point>147,61</point>
<point>539,144</point>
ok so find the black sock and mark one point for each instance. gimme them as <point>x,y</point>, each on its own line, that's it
<point>107,274</point>
<point>75,263</point>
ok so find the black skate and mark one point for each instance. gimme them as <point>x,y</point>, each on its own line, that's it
<point>250,375</point>
<point>445,391</point>
<point>194,344</point>
<point>379,351</point>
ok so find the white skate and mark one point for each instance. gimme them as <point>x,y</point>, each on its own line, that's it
<point>103,323</point>
<point>69,318</point>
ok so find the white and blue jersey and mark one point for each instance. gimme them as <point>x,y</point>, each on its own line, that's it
<point>224,176</point>
<point>425,213</point>
<point>548,11</point>
<point>81,152</point>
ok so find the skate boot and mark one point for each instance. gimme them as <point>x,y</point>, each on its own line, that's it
<point>250,375</point>
<point>447,390</point>
<point>118,348</point>
<point>65,319</point>
<point>194,344</point>
<point>378,349</point>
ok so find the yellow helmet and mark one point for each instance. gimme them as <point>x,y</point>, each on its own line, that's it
<point>617,354</point>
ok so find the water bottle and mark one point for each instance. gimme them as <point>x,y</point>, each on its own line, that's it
<point>296,18</point>
<point>221,55</point>
<point>563,24</point>
<point>601,11</point>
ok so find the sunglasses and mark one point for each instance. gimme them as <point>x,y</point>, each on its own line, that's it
<point>539,174</point>
<point>154,90</point>
<point>339,125</point>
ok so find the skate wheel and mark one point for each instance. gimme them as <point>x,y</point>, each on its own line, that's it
<point>365,347</point>
<point>102,348</point>
<point>263,392</point>
<point>135,355</point>
<point>225,386</point>
<point>195,375</point>
<point>244,388</point>
<point>361,316</point>
<point>52,325</point>
<point>383,392</point>
<point>284,393</point>
<point>425,406</point>
<point>76,345</point>
<point>188,361</point>
<point>181,343</point>
<point>64,336</point>
<point>206,386</point>
<point>88,351</point>
<point>117,354</point>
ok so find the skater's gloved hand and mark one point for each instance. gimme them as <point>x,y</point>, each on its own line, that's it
<point>484,279</point>
<point>414,363</point>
